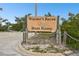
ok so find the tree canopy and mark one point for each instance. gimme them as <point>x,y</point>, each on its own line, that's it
<point>71,25</point>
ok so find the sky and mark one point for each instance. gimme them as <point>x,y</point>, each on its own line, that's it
<point>10,10</point>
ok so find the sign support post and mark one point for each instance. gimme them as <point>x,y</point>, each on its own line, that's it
<point>24,32</point>
<point>64,38</point>
<point>26,28</point>
<point>58,33</point>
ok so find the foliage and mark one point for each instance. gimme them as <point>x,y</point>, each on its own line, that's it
<point>17,27</point>
<point>48,14</point>
<point>20,23</point>
<point>6,26</point>
<point>71,25</point>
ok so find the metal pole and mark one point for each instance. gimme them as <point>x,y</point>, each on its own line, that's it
<point>35,9</point>
<point>35,13</point>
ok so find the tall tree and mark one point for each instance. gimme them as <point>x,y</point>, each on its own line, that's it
<point>48,14</point>
<point>20,23</point>
<point>0,22</point>
<point>1,9</point>
<point>72,25</point>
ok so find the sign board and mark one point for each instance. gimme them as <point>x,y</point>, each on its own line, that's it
<point>42,24</point>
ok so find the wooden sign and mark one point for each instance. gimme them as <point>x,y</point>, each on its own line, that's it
<point>42,24</point>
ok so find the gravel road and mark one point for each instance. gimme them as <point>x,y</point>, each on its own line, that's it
<point>8,42</point>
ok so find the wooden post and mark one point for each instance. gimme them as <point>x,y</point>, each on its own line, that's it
<point>57,37</point>
<point>25,32</point>
<point>60,38</point>
<point>64,38</point>
<point>57,30</point>
<point>26,28</point>
<point>24,37</point>
<point>58,33</point>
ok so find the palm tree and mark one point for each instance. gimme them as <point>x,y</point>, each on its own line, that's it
<point>70,14</point>
<point>1,9</point>
<point>63,19</point>
<point>21,21</point>
<point>7,25</point>
<point>5,20</point>
<point>25,21</point>
<point>0,18</point>
<point>48,14</point>
<point>17,19</point>
<point>0,22</point>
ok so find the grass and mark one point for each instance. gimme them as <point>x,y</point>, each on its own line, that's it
<point>49,49</point>
<point>72,44</point>
<point>38,49</point>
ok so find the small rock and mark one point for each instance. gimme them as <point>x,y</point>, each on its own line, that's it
<point>52,51</point>
<point>68,52</point>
